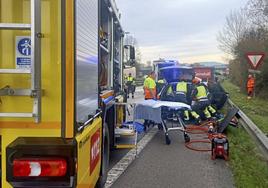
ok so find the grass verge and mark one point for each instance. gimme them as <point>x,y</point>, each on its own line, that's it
<point>256,109</point>
<point>249,167</point>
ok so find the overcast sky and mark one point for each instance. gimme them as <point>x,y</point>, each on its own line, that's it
<point>185,30</point>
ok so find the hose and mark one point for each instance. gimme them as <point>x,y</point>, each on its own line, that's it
<point>189,145</point>
<point>201,130</point>
<point>194,129</point>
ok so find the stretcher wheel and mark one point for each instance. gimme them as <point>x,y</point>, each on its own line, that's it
<point>168,141</point>
<point>186,138</point>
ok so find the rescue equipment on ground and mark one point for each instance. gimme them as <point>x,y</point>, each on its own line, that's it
<point>139,127</point>
<point>218,141</point>
<point>205,141</point>
<point>219,147</point>
<point>234,122</point>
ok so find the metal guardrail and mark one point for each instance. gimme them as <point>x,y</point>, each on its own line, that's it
<point>253,130</point>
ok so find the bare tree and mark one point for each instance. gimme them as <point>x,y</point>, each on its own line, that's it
<point>257,13</point>
<point>233,31</point>
<point>244,31</point>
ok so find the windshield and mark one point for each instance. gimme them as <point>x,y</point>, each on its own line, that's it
<point>174,74</point>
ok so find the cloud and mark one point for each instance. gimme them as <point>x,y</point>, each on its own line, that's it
<point>176,28</point>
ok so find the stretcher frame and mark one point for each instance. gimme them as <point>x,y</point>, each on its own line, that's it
<point>181,125</point>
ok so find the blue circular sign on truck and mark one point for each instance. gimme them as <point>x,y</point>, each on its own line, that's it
<point>24,46</point>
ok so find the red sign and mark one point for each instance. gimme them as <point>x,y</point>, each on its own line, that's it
<point>94,150</point>
<point>255,59</point>
<point>202,72</point>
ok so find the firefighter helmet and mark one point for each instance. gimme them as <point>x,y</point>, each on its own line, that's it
<point>196,80</point>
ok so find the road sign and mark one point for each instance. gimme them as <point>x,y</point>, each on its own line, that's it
<point>254,71</point>
<point>23,52</point>
<point>255,59</point>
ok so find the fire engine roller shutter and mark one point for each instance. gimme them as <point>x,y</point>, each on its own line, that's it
<point>86,58</point>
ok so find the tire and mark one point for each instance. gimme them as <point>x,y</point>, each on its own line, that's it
<point>104,158</point>
<point>168,141</point>
<point>186,138</point>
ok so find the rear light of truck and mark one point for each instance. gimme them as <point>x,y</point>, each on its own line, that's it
<point>41,162</point>
<point>38,167</point>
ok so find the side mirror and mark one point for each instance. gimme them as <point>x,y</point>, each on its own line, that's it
<point>132,53</point>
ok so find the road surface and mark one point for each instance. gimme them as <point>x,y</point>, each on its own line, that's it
<point>161,165</point>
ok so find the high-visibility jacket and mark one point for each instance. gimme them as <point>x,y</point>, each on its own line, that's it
<point>251,83</point>
<point>170,90</point>
<point>130,79</point>
<point>181,87</point>
<point>201,92</point>
<point>145,83</point>
<point>149,83</point>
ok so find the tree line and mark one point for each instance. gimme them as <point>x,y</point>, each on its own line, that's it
<point>246,30</point>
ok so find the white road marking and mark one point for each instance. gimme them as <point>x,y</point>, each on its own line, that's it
<point>123,164</point>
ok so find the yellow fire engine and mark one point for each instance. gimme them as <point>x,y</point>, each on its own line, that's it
<point>60,75</point>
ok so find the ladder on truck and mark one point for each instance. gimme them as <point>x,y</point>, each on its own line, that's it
<point>35,71</point>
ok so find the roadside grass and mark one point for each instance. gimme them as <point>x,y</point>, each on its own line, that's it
<point>250,169</point>
<point>255,108</point>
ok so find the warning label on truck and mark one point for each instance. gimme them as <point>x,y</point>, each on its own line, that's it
<point>94,150</point>
<point>23,52</point>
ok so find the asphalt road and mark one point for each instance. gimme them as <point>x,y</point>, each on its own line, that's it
<point>161,165</point>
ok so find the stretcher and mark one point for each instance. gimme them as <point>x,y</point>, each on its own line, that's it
<point>156,111</point>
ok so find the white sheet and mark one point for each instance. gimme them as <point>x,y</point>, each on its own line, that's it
<point>157,104</point>
<point>152,110</point>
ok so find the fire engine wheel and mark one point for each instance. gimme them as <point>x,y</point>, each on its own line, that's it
<point>105,157</point>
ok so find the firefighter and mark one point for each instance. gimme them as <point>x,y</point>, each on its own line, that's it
<point>145,83</point>
<point>150,87</point>
<point>149,93</point>
<point>170,91</point>
<point>202,103</point>
<point>250,86</point>
<point>130,85</point>
<point>181,95</point>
